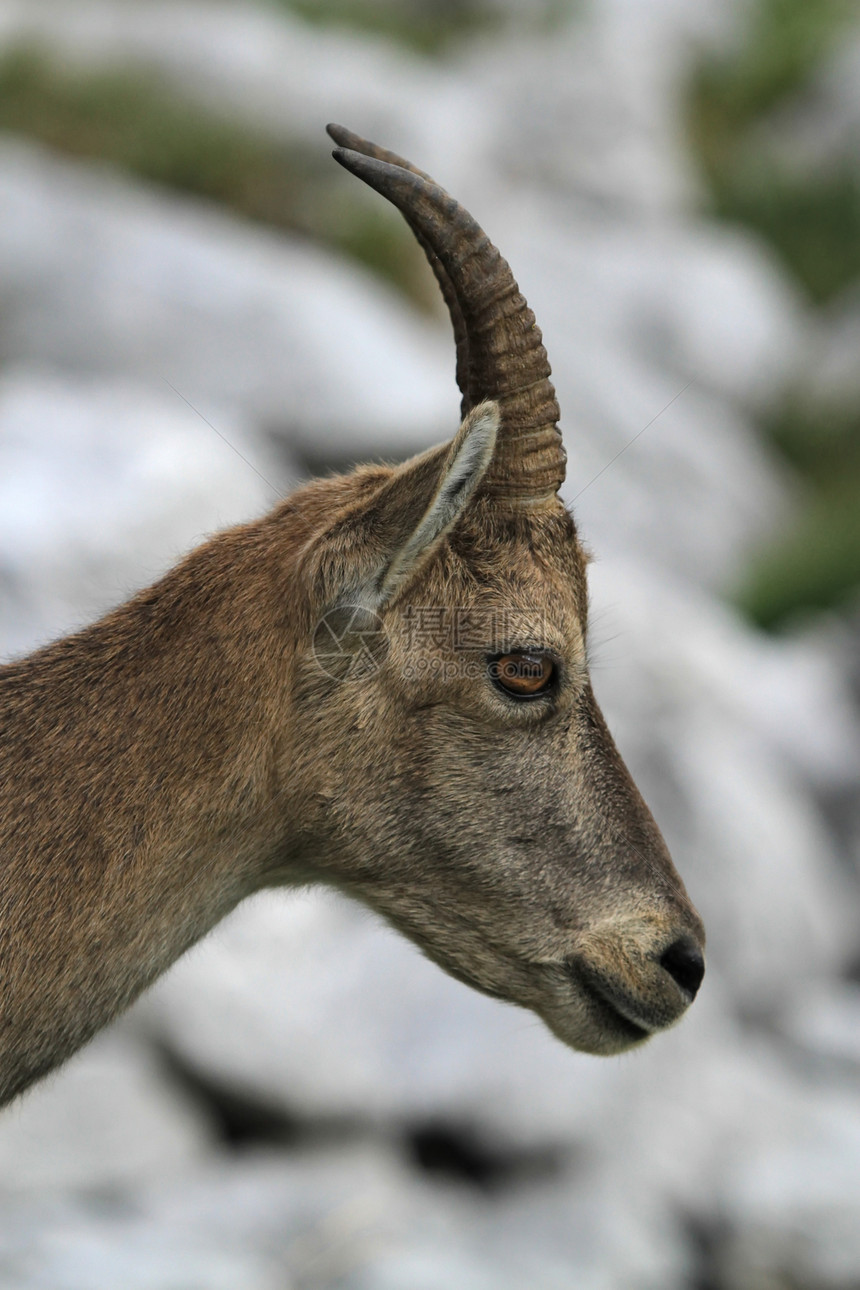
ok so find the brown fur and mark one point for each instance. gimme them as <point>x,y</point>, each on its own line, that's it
<point>187,750</point>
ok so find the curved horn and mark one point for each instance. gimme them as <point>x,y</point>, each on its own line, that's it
<point>346,139</point>
<point>500,353</point>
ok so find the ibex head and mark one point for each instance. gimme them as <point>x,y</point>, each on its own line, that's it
<point>381,685</point>
<point>462,780</point>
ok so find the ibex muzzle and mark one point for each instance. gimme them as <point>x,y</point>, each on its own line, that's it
<point>383,686</point>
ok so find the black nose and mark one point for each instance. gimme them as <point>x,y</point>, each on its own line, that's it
<point>684,963</point>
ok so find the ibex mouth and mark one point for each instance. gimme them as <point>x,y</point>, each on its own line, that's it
<point>631,982</point>
<point>609,1009</point>
<point>635,997</point>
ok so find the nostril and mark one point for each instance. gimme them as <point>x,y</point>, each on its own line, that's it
<point>684,963</point>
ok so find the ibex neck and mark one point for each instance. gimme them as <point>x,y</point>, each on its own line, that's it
<point>139,799</point>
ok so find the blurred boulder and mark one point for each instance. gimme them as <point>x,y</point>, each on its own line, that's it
<point>100,275</point>
<point>76,1246</point>
<point>729,734</point>
<point>353,1217</point>
<point>105,482</point>
<point>109,1123</point>
<point>789,1214</point>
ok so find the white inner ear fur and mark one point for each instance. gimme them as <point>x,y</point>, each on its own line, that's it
<point>469,456</point>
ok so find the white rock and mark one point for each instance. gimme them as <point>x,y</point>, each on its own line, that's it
<point>790,1213</point>
<point>714,722</point>
<point>109,1121</point>
<point>83,1249</point>
<point>738,1135</point>
<point>357,1217</point>
<point>558,125</point>
<point>104,484</point>
<point>824,1022</point>
<point>101,275</point>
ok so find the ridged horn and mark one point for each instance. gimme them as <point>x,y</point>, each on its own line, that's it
<point>500,353</point>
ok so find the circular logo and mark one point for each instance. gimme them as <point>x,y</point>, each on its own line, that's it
<point>349,643</point>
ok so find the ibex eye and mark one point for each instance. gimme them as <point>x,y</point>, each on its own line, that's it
<point>523,675</point>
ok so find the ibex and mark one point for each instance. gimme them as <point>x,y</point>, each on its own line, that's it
<point>382,685</point>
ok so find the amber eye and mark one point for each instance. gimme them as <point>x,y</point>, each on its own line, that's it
<point>523,675</point>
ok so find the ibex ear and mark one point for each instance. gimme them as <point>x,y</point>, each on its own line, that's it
<point>374,551</point>
<point>463,468</point>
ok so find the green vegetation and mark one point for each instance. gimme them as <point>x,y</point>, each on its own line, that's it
<point>428,29</point>
<point>431,28</point>
<point>813,223</point>
<point>816,564</point>
<point>784,45</point>
<point>135,122</point>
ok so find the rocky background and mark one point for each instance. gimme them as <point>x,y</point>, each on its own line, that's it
<point>197,310</point>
